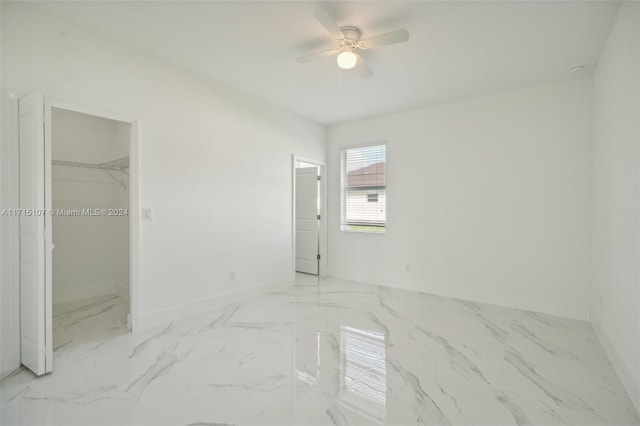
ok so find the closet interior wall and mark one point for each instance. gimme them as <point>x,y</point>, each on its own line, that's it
<point>91,254</point>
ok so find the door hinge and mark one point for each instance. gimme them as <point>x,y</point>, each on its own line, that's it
<point>318,217</point>
<point>318,257</point>
<point>318,177</point>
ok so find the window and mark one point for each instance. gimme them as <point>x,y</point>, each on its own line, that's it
<point>363,189</point>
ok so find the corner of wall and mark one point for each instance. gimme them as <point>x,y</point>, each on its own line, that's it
<point>164,316</point>
<point>616,203</point>
<point>626,376</point>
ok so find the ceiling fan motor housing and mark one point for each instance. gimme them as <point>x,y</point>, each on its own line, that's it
<point>351,33</point>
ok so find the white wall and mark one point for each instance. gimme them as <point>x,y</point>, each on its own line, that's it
<point>9,239</point>
<point>86,138</point>
<point>215,164</point>
<point>91,255</point>
<point>615,301</point>
<point>488,199</point>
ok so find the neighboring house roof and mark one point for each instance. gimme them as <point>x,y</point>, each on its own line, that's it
<point>371,175</point>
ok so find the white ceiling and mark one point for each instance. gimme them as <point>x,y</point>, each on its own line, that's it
<point>456,49</point>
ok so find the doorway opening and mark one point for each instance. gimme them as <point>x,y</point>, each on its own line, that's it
<point>308,218</point>
<point>90,200</point>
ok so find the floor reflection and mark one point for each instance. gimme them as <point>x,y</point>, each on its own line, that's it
<point>363,372</point>
<point>345,363</point>
<point>308,359</point>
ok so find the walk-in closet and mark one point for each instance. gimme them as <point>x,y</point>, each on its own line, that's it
<point>90,199</point>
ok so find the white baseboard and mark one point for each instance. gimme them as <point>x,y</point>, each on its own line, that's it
<point>163,316</point>
<point>551,307</point>
<point>633,388</point>
<point>561,309</point>
<point>80,293</point>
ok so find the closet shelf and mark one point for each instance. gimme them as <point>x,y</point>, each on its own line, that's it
<point>118,165</point>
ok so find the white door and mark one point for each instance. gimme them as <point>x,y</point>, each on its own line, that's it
<point>307,220</point>
<point>35,327</point>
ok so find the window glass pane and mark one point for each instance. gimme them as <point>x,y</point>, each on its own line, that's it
<point>360,211</point>
<point>363,189</point>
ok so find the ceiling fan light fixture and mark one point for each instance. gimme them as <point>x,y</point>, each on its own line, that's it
<point>347,59</point>
<point>350,44</point>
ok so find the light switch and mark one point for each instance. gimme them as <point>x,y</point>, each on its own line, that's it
<point>147,213</point>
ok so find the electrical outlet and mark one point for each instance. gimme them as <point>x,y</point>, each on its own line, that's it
<point>232,276</point>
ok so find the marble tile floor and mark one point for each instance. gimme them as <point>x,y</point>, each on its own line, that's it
<point>336,353</point>
<point>90,320</point>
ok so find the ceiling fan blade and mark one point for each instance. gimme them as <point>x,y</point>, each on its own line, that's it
<point>328,23</point>
<point>398,36</point>
<point>362,69</point>
<point>309,58</point>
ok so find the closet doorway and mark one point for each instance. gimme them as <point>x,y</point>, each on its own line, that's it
<point>90,200</point>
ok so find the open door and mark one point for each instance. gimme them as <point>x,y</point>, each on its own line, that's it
<point>307,220</point>
<point>35,243</point>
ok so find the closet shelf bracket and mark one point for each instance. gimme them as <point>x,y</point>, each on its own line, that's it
<point>124,186</point>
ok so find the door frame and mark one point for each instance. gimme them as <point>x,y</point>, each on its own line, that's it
<point>323,265</point>
<point>134,194</point>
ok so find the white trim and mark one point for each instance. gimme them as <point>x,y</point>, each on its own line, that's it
<point>362,145</point>
<point>323,266</point>
<point>134,224</point>
<point>342,194</point>
<point>134,191</point>
<point>48,225</point>
<point>89,110</point>
<point>636,397</point>
<point>163,316</point>
<point>545,306</point>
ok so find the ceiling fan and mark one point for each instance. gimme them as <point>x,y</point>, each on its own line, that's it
<point>349,44</point>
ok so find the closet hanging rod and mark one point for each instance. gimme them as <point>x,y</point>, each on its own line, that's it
<point>118,165</point>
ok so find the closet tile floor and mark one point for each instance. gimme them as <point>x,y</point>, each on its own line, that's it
<point>329,353</point>
<point>90,320</point>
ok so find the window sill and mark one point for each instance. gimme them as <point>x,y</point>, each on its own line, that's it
<point>364,231</point>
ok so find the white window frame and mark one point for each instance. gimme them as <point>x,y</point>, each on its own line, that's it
<point>383,229</point>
